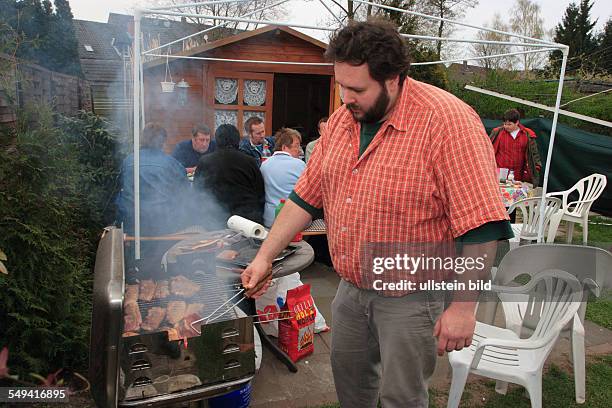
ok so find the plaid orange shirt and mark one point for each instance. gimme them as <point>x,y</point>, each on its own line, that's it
<point>428,176</point>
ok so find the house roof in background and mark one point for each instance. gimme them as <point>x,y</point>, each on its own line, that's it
<point>100,44</point>
<point>157,31</point>
<point>100,37</point>
<point>97,71</point>
<point>240,37</point>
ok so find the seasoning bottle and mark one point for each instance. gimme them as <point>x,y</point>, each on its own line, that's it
<point>279,207</point>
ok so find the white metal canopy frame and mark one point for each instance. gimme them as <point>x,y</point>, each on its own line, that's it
<point>530,45</point>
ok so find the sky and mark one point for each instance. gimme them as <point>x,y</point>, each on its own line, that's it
<point>310,12</point>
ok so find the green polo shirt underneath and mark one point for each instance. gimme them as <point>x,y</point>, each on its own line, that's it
<point>491,231</point>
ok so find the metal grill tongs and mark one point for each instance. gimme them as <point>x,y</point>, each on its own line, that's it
<point>230,306</point>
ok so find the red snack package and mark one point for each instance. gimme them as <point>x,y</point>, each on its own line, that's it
<point>296,335</point>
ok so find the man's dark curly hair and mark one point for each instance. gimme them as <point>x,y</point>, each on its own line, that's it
<point>376,43</point>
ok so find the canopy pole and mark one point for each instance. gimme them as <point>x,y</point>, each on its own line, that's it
<point>551,143</point>
<point>137,102</point>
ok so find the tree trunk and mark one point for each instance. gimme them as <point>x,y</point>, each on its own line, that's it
<point>439,42</point>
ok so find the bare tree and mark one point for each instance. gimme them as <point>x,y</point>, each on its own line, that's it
<point>449,9</point>
<point>527,21</point>
<point>494,49</point>
<point>234,9</point>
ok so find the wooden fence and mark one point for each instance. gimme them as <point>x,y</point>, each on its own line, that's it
<point>24,84</point>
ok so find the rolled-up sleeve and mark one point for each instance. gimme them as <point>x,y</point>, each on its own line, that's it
<point>465,174</point>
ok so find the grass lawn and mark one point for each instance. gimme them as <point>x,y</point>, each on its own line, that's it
<point>600,235</point>
<point>558,390</point>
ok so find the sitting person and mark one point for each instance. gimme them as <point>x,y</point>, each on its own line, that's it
<point>310,146</point>
<point>231,177</point>
<point>163,186</point>
<point>281,171</point>
<point>257,144</point>
<point>189,151</point>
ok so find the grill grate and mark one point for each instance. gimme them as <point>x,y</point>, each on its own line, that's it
<point>213,294</point>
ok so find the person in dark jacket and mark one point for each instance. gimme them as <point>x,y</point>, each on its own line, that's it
<point>257,144</point>
<point>231,177</point>
<point>163,187</point>
<point>189,151</point>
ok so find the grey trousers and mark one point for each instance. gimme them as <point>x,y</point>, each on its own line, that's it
<point>383,347</point>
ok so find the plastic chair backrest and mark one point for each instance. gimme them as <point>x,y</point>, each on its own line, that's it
<point>553,302</point>
<point>530,210</point>
<point>589,189</point>
<point>583,262</point>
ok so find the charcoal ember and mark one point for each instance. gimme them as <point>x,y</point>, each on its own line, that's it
<point>175,311</point>
<point>131,294</point>
<point>155,316</point>
<point>147,290</point>
<point>162,290</point>
<point>131,317</point>
<point>183,287</point>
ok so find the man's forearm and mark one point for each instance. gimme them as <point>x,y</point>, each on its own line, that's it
<point>291,220</point>
<point>487,252</point>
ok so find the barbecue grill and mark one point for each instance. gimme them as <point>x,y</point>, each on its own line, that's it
<point>165,364</point>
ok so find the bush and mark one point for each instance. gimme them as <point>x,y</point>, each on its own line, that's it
<point>57,177</point>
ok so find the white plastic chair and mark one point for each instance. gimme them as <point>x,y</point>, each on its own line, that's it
<point>530,211</point>
<point>554,298</point>
<point>589,189</point>
<point>592,267</point>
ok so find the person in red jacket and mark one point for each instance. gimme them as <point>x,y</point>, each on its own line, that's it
<point>516,148</point>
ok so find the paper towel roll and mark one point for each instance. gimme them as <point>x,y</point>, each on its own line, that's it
<point>247,227</point>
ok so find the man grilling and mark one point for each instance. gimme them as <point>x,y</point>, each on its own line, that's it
<point>386,171</point>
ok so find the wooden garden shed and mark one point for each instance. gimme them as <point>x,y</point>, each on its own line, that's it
<point>222,91</point>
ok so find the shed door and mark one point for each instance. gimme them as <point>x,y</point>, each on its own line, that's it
<point>235,96</point>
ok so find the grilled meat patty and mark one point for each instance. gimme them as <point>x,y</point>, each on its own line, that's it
<point>147,290</point>
<point>162,290</point>
<point>131,317</point>
<point>183,287</point>
<point>194,308</point>
<point>131,294</point>
<point>155,316</point>
<point>175,311</point>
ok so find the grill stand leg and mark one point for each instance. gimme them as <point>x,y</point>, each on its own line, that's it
<point>267,341</point>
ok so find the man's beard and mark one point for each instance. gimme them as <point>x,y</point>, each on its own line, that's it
<point>376,112</point>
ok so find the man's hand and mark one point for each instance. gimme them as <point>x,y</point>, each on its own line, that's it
<point>455,327</point>
<point>254,275</point>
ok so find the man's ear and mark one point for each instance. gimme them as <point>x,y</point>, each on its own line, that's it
<point>392,84</point>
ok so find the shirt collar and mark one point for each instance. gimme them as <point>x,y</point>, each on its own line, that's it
<point>398,119</point>
<point>280,153</point>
